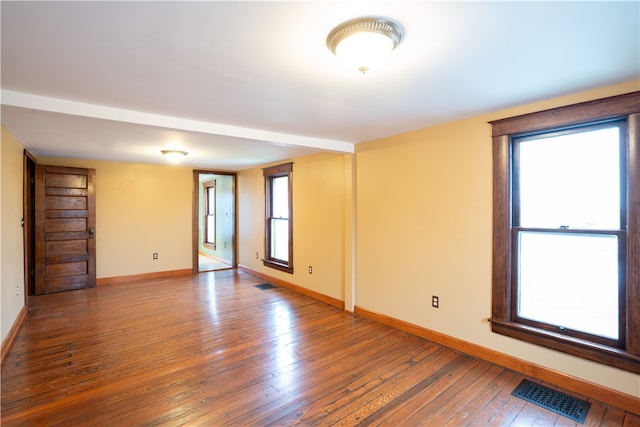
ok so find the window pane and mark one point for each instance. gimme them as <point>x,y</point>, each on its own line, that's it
<point>211,229</point>
<point>570,280</point>
<point>280,239</point>
<point>280,201</point>
<point>211,200</point>
<point>571,180</point>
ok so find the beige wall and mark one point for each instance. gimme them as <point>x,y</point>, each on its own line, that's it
<point>318,223</point>
<point>11,237</point>
<point>140,209</point>
<point>424,228</point>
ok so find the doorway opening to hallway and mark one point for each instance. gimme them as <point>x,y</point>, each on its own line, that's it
<point>214,221</point>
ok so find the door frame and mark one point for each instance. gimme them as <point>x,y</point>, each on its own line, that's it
<point>29,224</point>
<point>195,232</point>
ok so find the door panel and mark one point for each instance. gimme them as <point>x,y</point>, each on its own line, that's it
<point>67,202</point>
<point>65,246</point>
<point>65,227</point>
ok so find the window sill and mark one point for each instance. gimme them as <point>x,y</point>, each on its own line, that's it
<point>610,356</point>
<point>278,266</point>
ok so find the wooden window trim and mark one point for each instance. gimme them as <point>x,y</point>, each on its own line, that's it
<point>503,320</point>
<point>285,169</point>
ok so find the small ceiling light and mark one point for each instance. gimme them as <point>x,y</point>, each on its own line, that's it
<point>174,156</point>
<point>364,41</point>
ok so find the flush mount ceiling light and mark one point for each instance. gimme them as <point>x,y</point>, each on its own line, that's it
<point>174,155</point>
<point>364,41</point>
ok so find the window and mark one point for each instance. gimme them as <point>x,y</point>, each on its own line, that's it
<point>566,232</point>
<point>210,213</point>
<point>278,224</point>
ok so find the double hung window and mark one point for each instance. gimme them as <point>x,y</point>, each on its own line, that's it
<point>210,213</point>
<point>278,221</point>
<point>569,230</point>
<point>566,230</point>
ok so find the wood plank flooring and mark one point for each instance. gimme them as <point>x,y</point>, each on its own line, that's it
<point>206,263</point>
<point>212,349</point>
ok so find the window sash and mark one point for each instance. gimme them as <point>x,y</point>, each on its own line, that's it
<point>279,240</point>
<point>210,233</point>
<point>571,195</point>
<point>583,273</point>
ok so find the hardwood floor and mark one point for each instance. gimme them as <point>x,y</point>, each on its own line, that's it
<point>212,349</point>
<point>206,263</point>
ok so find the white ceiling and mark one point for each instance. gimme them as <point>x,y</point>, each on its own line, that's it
<point>239,84</point>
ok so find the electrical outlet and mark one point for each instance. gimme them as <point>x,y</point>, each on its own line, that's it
<point>155,255</point>
<point>310,270</point>
<point>435,301</point>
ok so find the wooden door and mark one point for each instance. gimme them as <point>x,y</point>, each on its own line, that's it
<point>65,229</point>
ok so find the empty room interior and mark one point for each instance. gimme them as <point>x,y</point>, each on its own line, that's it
<point>233,213</point>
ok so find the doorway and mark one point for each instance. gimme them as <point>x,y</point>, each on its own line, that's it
<point>214,221</point>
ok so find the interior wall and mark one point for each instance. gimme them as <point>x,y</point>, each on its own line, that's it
<point>424,221</point>
<point>11,236</point>
<point>140,209</point>
<point>318,223</point>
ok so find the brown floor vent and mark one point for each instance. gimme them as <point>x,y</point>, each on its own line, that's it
<point>553,400</point>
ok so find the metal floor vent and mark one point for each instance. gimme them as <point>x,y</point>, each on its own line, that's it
<point>265,286</point>
<point>553,400</point>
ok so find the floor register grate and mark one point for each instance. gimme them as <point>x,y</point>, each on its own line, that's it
<point>265,286</point>
<point>553,400</point>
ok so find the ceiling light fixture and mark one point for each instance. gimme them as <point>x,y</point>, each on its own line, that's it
<point>364,41</point>
<point>174,156</point>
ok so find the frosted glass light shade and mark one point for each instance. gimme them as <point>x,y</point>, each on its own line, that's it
<point>364,50</point>
<point>174,156</point>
